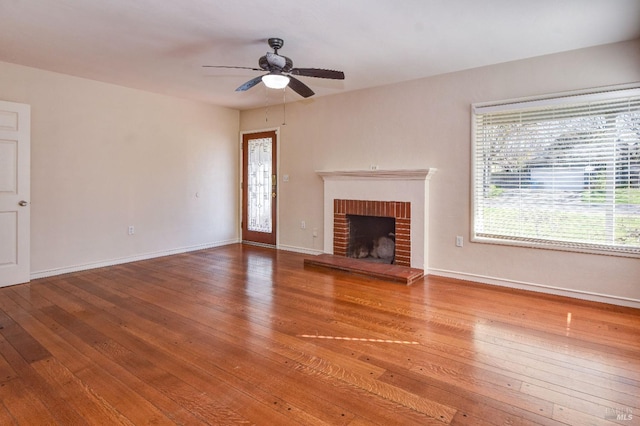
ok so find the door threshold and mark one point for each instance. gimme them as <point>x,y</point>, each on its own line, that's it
<point>254,243</point>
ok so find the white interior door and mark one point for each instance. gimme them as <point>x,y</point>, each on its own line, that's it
<point>15,139</point>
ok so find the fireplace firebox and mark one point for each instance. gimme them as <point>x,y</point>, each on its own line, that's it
<point>371,238</point>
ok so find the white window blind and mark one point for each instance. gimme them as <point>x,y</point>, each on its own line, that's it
<point>559,173</point>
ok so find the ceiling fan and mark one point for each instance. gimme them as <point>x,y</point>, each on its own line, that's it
<point>280,72</point>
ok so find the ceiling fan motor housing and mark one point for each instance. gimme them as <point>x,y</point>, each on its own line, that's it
<point>276,43</point>
<point>272,61</point>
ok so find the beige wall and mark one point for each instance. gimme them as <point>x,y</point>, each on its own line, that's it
<point>104,157</point>
<point>426,123</point>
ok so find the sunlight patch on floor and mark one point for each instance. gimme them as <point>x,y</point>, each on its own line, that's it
<point>358,339</point>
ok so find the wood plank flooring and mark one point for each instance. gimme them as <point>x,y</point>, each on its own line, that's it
<point>247,335</point>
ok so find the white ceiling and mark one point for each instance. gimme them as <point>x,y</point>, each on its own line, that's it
<point>161,45</point>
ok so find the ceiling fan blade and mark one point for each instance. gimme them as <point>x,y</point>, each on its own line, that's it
<point>319,73</point>
<point>249,84</point>
<point>300,88</point>
<point>235,68</point>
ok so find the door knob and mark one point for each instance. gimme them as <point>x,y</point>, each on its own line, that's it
<point>23,203</point>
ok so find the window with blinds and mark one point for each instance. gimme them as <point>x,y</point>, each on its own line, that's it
<point>559,173</point>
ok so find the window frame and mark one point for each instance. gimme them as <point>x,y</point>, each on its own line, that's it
<point>550,100</point>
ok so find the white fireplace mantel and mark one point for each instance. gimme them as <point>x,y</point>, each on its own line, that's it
<point>404,174</point>
<point>410,185</point>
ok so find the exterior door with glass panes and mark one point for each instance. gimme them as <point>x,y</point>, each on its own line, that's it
<point>259,187</point>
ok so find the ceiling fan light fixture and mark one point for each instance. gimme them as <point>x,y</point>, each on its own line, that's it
<point>275,81</point>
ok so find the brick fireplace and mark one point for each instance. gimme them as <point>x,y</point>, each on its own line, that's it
<point>399,210</point>
<point>401,194</point>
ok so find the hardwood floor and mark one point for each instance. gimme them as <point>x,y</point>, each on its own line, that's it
<point>247,335</point>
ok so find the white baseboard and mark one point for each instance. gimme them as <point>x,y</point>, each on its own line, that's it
<point>121,260</point>
<point>540,288</point>
<point>300,250</point>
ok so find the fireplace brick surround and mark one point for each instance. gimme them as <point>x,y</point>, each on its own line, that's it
<point>399,210</point>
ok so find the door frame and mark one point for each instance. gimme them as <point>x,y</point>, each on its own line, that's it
<point>241,180</point>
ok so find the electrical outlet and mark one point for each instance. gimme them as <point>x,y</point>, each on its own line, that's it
<point>459,241</point>
<point>315,232</point>
<point>131,230</point>
<point>303,225</point>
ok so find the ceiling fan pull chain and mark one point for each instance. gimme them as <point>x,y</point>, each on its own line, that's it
<point>284,106</point>
<point>266,105</point>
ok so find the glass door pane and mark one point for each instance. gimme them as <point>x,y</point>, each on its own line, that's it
<point>259,185</point>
